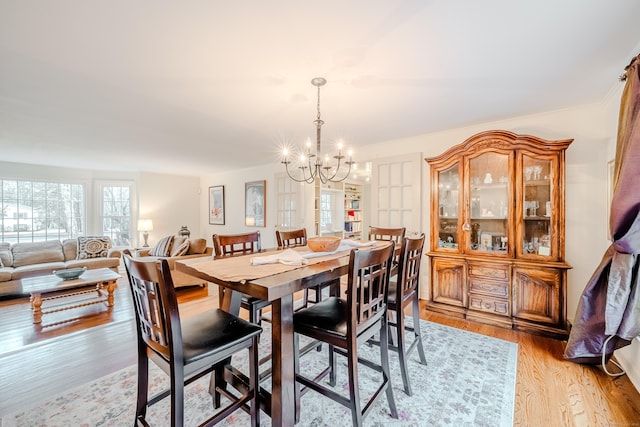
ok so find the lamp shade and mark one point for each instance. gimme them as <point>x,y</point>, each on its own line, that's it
<point>145,225</point>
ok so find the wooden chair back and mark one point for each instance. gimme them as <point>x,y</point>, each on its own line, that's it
<point>156,307</point>
<point>394,234</point>
<point>409,269</point>
<point>367,286</point>
<point>236,244</point>
<point>291,238</point>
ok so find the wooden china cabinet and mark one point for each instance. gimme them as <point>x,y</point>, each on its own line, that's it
<point>497,232</point>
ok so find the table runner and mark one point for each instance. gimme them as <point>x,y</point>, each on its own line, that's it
<point>239,269</point>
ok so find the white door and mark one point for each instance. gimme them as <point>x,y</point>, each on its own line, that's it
<point>395,193</point>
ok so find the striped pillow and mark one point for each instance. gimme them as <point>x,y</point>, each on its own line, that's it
<point>180,249</point>
<point>163,247</point>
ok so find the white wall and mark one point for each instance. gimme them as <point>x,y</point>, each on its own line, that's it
<point>234,203</point>
<point>170,201</point>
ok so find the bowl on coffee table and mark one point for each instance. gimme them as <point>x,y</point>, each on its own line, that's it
<point>70,273</point>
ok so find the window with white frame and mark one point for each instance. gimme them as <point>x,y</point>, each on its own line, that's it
<point>331,211</point>
<point>116,220</point>
<point>32,211</point>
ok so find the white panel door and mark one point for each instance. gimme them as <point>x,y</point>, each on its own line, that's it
<point>290,213</point>
<point>395,193</point>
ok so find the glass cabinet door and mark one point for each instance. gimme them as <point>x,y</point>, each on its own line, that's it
<point>537,207</point>
<point>448,207</point>
<point>488,222</point>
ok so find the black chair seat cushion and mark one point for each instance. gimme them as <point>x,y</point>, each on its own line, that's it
<point>249,301</point>
<point>327,316</point>
<point>213,332</point>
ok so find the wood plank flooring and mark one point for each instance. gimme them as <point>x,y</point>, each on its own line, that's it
<point>37,363</point>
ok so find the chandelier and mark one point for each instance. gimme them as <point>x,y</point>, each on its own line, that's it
<point>311,165</point>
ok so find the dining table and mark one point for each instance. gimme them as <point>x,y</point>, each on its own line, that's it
<point>276,282</point>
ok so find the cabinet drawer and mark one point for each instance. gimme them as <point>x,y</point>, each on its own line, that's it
<point>491,271</point>
<point>489,287</point>
<point>489,305</point>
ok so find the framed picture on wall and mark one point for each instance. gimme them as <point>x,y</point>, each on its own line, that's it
<point>216,205</point>
<point>255,203</point>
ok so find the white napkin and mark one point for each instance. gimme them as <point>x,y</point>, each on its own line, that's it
<point>357,243</point>
<point>286,257</point>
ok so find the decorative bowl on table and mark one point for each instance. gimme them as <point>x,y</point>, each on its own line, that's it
<point>70,273</point>
<point>323,243</point>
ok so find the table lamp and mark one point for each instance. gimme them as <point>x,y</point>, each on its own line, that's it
<point>145,225</point>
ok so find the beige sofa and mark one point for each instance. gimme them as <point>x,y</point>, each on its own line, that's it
<point>20,260</point>
<point>197,248</point>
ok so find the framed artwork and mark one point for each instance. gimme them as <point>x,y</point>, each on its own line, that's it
<point>255,203</point>
<point>216,205</point>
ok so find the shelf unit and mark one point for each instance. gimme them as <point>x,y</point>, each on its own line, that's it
<point>498,232</point>
<point>353,211</point>
<point>338,209</point>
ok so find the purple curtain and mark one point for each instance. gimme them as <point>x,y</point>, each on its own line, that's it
<point>608,314</point>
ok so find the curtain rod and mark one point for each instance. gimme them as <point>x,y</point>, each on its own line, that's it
<point>623,76</point>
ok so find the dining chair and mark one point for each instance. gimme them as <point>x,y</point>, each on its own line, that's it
<point>404,292</point>
<point>185,349</point>
<point>345,324</point>
<point>241,244</point>
<point>293,238</point>
<point>394,234</point>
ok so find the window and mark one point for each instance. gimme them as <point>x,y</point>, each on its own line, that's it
<point>331,211</point>
<point>32,211</point>
<point>115,211</point>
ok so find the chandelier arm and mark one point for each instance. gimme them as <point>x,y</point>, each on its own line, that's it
<point>333,177</point>
<point>304,178</point>
<point>323,178</point>
<point>335,172</point>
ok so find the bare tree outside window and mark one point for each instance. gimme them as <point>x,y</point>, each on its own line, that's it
<point>34,211</point>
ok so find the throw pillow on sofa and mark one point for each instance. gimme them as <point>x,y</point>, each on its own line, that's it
<point>36,253</point>
<point>197,245</point>
<point>163,247</point>
<point>179,248</point>
<point>6,257</point>
<point>93,247</point>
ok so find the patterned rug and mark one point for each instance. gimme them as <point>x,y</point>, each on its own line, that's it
<point>469,380</point>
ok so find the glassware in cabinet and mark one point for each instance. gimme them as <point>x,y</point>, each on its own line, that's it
<point>489,198</point>
<point>448,207</point>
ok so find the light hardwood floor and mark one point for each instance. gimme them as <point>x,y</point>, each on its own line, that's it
<point>39,363</point>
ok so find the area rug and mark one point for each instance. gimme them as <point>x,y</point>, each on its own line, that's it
<point>469,380</point>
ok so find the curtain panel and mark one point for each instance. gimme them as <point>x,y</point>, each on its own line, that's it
<point>608,313</point>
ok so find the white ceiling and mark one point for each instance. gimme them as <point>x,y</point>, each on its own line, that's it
<point>196,87</point>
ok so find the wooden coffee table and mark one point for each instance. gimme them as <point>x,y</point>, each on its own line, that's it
<point>102,281</point>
